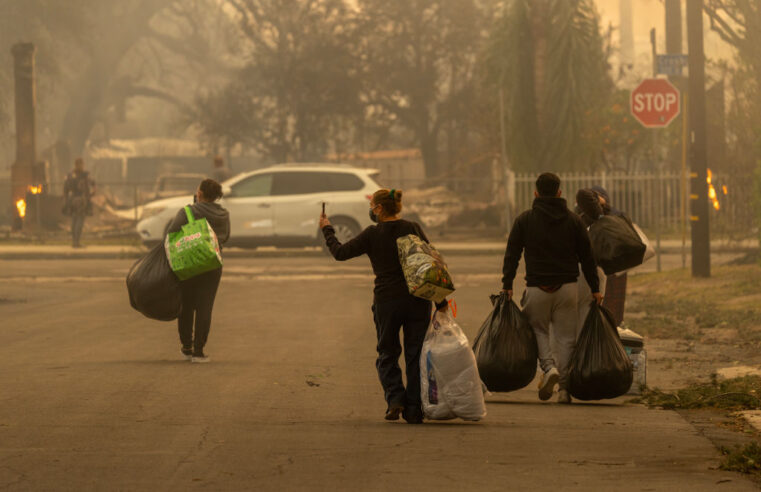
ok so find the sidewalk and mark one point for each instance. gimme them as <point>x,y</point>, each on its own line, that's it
<point>56,252</point>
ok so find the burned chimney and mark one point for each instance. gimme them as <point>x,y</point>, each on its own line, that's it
<point>23,170</point>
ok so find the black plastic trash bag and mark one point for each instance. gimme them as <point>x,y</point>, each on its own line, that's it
<point>153,288</point>
<point>505,347</point>
<point>599,368</point>
<point>616,244</point>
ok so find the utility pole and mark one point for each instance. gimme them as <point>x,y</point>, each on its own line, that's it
<point>701,241</point>
<point>673,26</point>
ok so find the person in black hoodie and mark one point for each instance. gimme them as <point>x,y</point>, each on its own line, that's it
<point>394,307</point>
<point>555,241</point>
<point>198,293</point>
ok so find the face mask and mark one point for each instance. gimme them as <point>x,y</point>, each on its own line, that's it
<point>373,217</point>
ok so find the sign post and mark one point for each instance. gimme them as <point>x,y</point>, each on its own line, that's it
<point>655,103</point>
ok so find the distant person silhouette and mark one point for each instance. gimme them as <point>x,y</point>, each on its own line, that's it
<point>78,190</point>
<point>221,172</point>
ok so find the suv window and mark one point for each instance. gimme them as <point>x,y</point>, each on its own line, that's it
<point>345,182</point>
<point>257,185</point>
<point>304,182</point>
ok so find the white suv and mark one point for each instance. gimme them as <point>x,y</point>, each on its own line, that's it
<point>280,205</point>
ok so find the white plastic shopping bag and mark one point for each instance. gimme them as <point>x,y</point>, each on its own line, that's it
<point>650,251</point>
<point>450,384</point>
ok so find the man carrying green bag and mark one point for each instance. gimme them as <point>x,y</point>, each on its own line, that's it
<point>193,249</point>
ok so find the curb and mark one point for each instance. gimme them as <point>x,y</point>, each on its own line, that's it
<point>289,253</point>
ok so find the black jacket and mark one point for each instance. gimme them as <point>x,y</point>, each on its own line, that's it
<point>217,216</point>
<point>379,243</point>
<point>555,241</point>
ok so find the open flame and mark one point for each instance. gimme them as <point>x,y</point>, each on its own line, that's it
<point>21,207</point>
<point>712,191</point>
<point>21,203</point>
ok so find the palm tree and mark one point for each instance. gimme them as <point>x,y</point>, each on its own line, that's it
<point>550,59</point>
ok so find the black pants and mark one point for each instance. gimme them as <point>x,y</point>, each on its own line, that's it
<point>413,315</point>
<point>198,295</point>
<point>77,224</point>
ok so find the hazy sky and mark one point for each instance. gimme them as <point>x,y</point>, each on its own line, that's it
<point>648,14</point>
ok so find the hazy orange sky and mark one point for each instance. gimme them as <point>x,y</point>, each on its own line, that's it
<point>648,14</point>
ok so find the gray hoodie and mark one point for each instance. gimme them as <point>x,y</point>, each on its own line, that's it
<point>217,216</point>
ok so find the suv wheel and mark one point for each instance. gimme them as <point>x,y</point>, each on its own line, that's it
<point>346,229</point>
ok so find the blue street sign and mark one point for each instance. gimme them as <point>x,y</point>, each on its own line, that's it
<point>671,64</point>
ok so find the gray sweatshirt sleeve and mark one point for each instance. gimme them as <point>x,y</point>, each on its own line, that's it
<point>179,220</point>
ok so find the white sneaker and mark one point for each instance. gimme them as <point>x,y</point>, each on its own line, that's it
<point>547,384</point>
<point>187,353</point>
<point>200,359</point>
<point>564,397</point>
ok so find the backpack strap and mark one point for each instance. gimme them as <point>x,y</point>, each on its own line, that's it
<point>189,214</point>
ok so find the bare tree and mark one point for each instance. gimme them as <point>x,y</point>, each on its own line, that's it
<point>292,100</point>
<point>420,59</point>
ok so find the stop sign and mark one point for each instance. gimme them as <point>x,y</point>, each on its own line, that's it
<point>655,103</point>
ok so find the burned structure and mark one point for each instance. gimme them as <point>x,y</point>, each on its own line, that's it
<point>28,176</point>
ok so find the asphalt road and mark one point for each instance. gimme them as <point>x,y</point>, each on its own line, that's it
<point>95,397</point>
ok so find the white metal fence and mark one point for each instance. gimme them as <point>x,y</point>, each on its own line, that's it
<point>653,199</point>
<point>643,196</point>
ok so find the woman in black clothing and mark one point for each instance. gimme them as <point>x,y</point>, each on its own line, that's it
<point>394,307</point>
<point>198,293</point>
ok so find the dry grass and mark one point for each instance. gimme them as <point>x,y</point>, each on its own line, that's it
<point>675,305</point>
<point>731,394</point>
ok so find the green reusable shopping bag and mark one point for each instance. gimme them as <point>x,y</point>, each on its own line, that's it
<point>424,269</point>
<point>193,250</point>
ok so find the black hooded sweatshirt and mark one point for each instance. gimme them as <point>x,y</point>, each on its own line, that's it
<point>215,214</point>
<point>555,241</point>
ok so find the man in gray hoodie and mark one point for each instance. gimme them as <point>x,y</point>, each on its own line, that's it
<point>198,293</point>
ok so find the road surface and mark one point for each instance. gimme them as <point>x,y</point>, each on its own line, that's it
<point>95,397</point>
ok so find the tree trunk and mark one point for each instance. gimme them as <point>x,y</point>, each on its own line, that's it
<point>540,10</point>
<point>430,153</point>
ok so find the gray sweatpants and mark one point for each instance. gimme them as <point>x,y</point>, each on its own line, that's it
<point>555,320</point>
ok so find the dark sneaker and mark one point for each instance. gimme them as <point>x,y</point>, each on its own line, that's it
<point>187,353</point>
<point>413,415</point>
<point>394,411</point>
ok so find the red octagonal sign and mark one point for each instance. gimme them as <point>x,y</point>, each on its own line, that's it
<point>655,103</point>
